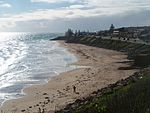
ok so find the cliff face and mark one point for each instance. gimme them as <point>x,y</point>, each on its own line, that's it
<point>132,49</point>
<point>125,94</point>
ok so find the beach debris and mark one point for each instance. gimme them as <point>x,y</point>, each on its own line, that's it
<point>46,97</point>
<point>44,93</point>
<point>37,104</point>
<point>48,100</point>
<point>23,110</point>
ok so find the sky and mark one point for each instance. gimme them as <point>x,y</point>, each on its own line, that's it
<point>59,15</point>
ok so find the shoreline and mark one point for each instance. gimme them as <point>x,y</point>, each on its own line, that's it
<point>57,93</point>
<point>68,67</point>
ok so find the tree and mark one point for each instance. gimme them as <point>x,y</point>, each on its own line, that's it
<point>76,33</point>
<point>79,32</point>
<point>69,33</point>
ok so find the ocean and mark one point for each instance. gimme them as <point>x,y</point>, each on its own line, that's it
<point>27,59</point>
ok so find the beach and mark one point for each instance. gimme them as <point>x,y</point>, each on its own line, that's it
<point>99,68</point>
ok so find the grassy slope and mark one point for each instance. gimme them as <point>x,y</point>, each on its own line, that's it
<point>133,98</point>
<point>132,49</point>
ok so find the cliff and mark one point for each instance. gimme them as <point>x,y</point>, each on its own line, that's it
<point>132,49</point>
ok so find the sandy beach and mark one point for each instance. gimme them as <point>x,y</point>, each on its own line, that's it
<point>101,68</point>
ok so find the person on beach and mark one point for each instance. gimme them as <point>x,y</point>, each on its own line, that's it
<point>74,89</point>
<point>39,110</point>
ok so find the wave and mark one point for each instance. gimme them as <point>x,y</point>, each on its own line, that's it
<point>27,59</point>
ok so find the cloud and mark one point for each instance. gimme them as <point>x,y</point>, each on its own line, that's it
<point>89,23</point>
<point>80,9</point>
<point>101,7</point>
<point>92,8</point>
<point>4,5</point>
<point>4,24</point>
<point>51,14</point>
<point>56,1</point>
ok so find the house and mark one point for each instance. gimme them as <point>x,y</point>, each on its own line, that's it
<point>115,33</point>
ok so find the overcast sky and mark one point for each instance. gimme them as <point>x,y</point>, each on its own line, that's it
<point>58,15</point>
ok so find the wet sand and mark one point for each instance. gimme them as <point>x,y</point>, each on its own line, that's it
<point>101,68</point>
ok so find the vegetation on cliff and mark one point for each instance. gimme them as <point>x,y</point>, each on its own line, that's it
<point>132,98</point>
<point>135,51</point>
<point>127,96</point>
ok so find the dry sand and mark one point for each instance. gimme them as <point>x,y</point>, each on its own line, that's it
<point>101,69</point>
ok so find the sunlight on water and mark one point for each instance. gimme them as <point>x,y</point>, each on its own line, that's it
<point>27,59</point>
<point>10,50</point>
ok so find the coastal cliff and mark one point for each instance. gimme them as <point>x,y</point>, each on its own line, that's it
<point>126,95</point>
<point>132,49</point>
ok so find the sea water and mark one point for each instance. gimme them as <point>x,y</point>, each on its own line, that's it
<point>27,59</point>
